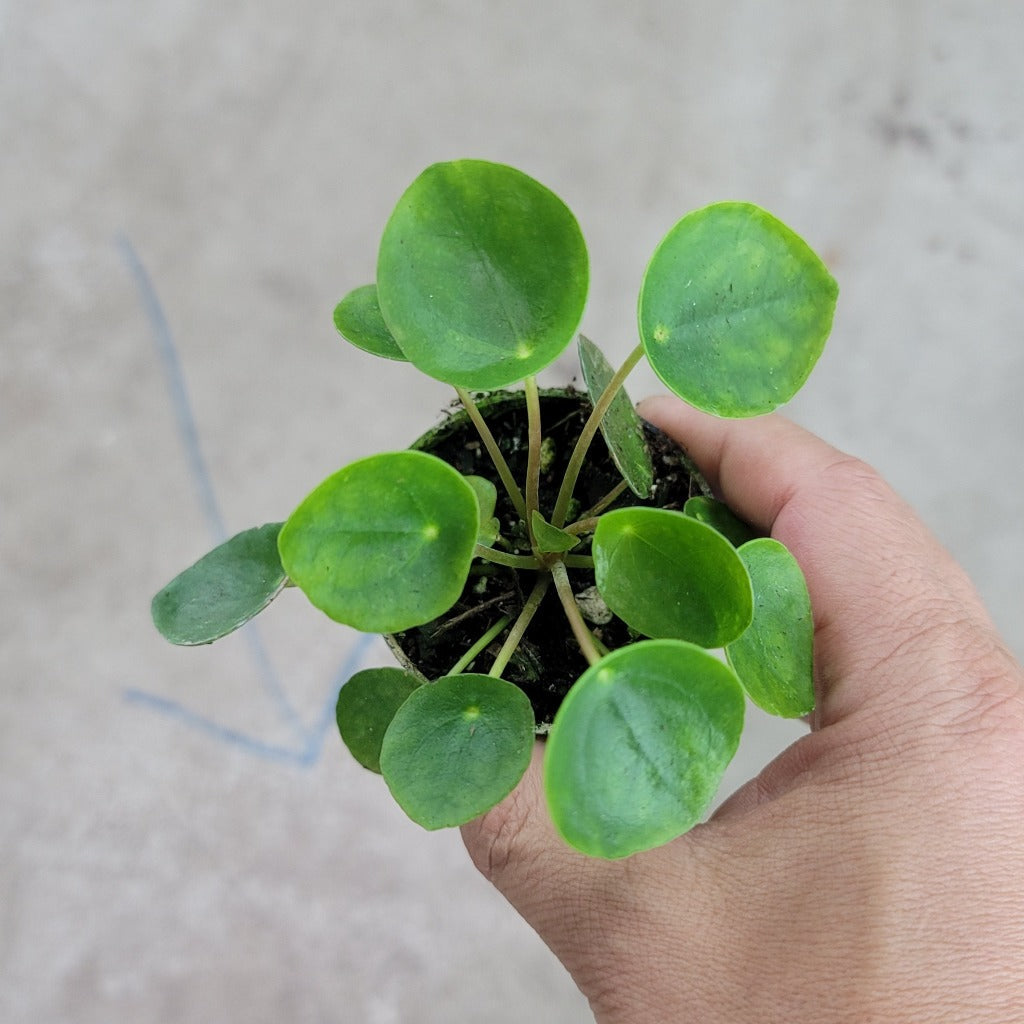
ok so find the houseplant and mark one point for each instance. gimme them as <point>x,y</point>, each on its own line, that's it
<point>482,275</point>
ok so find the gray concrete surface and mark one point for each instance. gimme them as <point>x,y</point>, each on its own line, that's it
<point>180,844</point>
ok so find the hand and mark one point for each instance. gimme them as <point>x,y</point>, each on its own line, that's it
<point>874,872</point>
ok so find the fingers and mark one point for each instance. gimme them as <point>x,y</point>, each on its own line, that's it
<point>657,936</point>
<point>895,617</point>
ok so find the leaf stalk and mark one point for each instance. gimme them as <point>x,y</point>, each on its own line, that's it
<point>590,428</point>
<point>494,451</point>
<point>504,558</point>
<point>533,455</point>
<point>572,613</point>
<point>516,633</point>
<point>467,659</point>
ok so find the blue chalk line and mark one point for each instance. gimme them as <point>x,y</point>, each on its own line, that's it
<point>308,741</point>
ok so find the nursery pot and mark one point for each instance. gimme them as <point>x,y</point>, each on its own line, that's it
<point>548,660</point>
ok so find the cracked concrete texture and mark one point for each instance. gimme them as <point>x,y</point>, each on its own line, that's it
<point>182,837</point>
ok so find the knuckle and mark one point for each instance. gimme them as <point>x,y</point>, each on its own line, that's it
<point>851,478</point>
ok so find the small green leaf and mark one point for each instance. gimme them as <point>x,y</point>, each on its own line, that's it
<point>487,498</point>
<point>638,747</point>
<point>773,658</point>
<point>734,310</point>
<point>358,320</point>
<point>670,576</point>
<point>456,748</point>
<point>621,427</point>
<point>385,543</point>
<point>482,274</point>
<point>551,538</point>
<point>720,517</point>
<point>223,590</point>
<point>486,495</point>
<point>366,705</point>
<point>489,531</point>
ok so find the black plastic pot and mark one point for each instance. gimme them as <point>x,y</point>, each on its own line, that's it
<point>548,660</point>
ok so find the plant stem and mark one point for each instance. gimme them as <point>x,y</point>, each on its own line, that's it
<point>494,451</point>
<point>533,455</point>
<point>572,613</point>
<point>578,561</point>
<point>467,659</point>
<point>590,428</point>
<point>508,648</point>
<point>587,522</point>
<point>503,558</point>
<point>603,503</point>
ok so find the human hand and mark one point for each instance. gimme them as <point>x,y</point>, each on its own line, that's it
<point>874,872</point>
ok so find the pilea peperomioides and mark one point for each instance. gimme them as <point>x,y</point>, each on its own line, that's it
<point>482,275</point>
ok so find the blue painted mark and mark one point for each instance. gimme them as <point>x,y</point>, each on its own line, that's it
<point>308,741</point>
<point>174,378</point>
<point>305,753</point>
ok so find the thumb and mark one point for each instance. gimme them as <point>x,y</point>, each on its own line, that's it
<point>897,621</point>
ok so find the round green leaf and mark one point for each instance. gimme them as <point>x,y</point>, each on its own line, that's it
<point>482,274</point>
<point>719,516</point>
<point>456,747</point>
<point>670,576</point>
<point>385,543</point>
<point>773,658</point>
<point>621,426</point>
<point>358,320</point>
<point>367,703</point>
<point>223,590</point>
<point>734,310</point>
<point>638,747</point>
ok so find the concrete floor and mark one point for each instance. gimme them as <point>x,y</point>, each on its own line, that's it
<point>187,189</point>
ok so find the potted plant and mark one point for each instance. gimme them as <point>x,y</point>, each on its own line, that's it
<point>536,568</point>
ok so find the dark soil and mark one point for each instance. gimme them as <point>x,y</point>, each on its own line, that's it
<point>548,660</point>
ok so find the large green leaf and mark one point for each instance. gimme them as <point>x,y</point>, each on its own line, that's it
<point>638,747</point>
<point>358,320</point>
<point>223,590</point>
<point>456,747</point>
<point>482,274</point>
<point>385,543</point>
<point>621,427</point>
<point>670,576</point>
<point>734,310</point>
<point>367,703</point>
<point>773,658</point>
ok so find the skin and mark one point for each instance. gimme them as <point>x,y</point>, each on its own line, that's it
<point>874,872</point>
